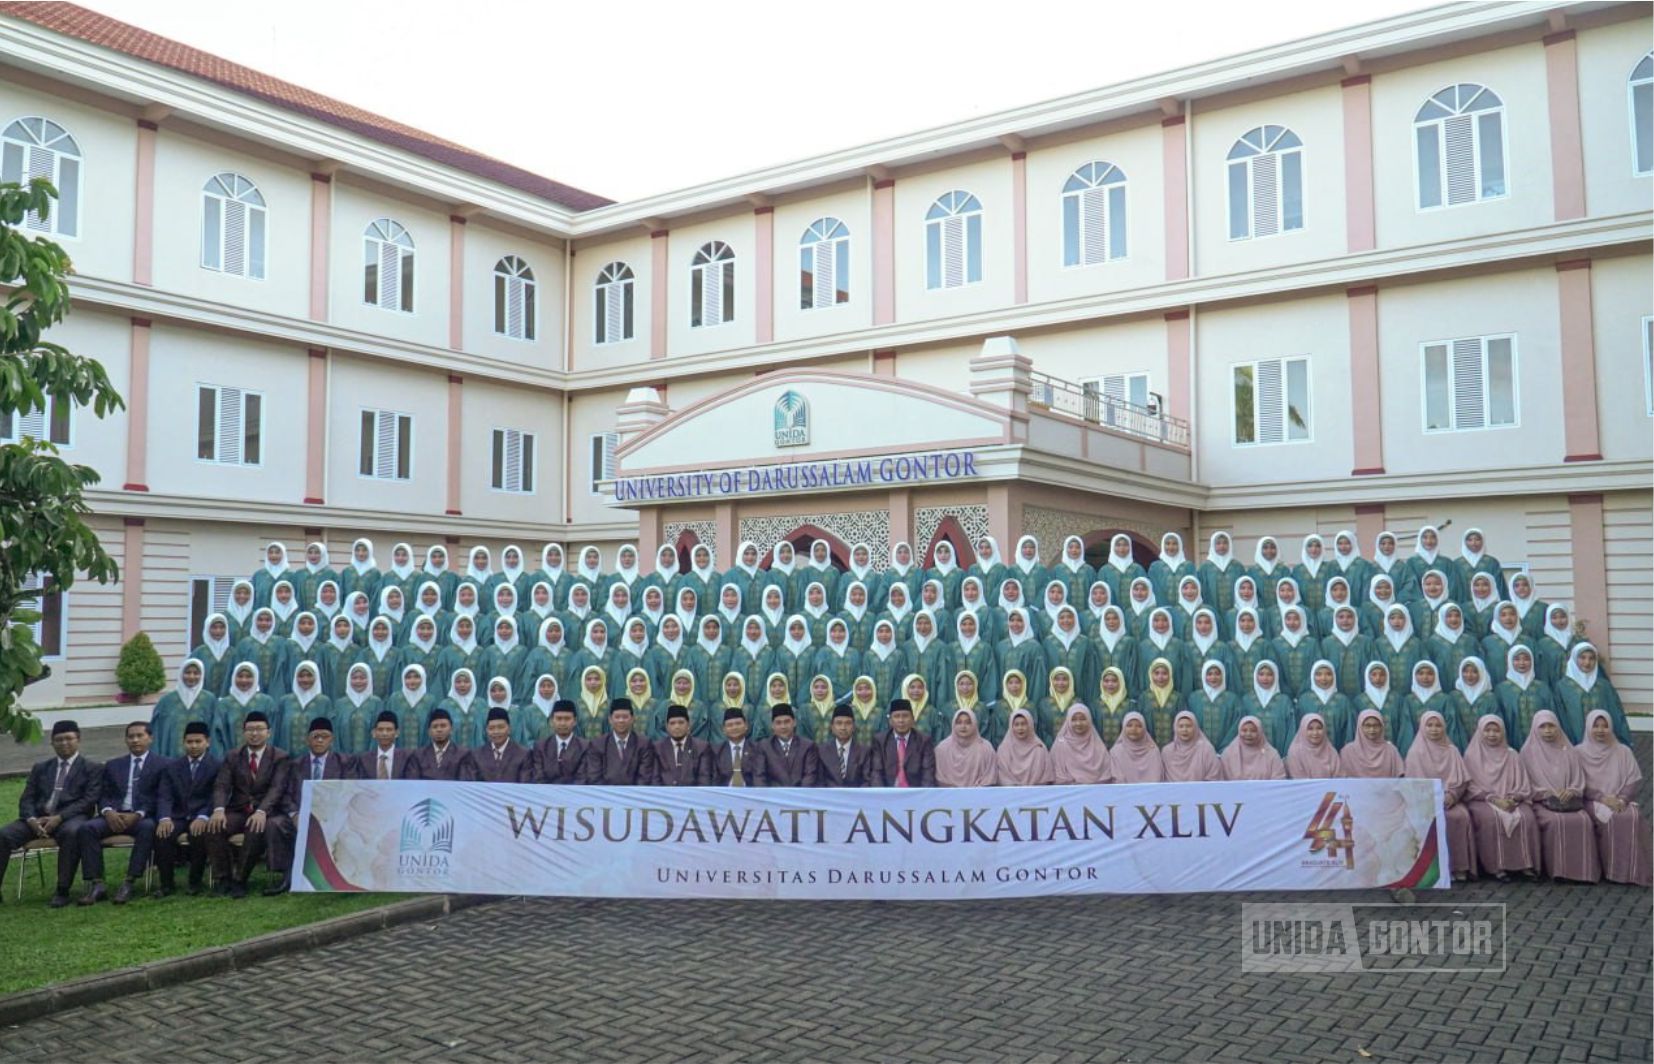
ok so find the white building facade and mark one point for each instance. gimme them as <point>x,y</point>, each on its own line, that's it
<point>1395,275</point>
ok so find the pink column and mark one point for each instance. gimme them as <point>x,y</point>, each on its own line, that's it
<point>1567,150</point>
<point>1019,226</point>
<point>884,252</point>
<point>1590,567</point>
<point>1178,388</point>
<point>1175,174</point>
<point>137,409</point>
<point>1366,420</point>
<point>143,223</point>
<point>1581,441</point>
<point>321,229</point>
<point>132,576</point>
<point>763,282</point>
<point>884,363</point>
<point>723,519</point>
<point>657,293</point>
<point>456,283</point>
<point>1369,522</point>
<point>456,396</point>
<point>1359,231</point>
<point>315,445</point>
<point>648,536</point>
<point>901,518</point>
<point>999,513</point>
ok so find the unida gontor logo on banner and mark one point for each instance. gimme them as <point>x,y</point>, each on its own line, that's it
<point>427,843</point>
<point>792,420</point>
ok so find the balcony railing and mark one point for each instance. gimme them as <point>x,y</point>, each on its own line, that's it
<point>1089,404</point>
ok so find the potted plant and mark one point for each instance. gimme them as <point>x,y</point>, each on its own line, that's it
<point>139,672</point>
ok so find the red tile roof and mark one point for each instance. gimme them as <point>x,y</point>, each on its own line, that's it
<point>78,22</point>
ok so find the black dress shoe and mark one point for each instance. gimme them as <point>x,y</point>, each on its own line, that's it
<point>195,887</point>
<point>94,894</point>
<point>123,893</point>
<point>162,891</point>
<point>238,890</point>
<point>221,889</point>
<point>60,900</point>
<point>279,887</point>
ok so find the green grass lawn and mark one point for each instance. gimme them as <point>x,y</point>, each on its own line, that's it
<point>41,946</point>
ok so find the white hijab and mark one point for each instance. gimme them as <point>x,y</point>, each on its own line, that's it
<point>243,697</point>
<point>406,569</point>
<point>1220,561</point>
<point>796,647</point>
<point>363,567</point>
<point>1586,680</point>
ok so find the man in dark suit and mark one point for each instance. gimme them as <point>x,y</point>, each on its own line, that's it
<point>843,761</point>
<point>681,760</point>
<point>789,759</point>
<point>621,758</point>
<point>319,762</point>
<point>186,803</point>
<point>128,801</point>
<point>441,758</point>
<point>738,762</point>
<point>385,761</point>
<point>560,756</point>
<point>499,759</point>
<point>248,800</point>
<point>58,798</point>
<point>901,756</point>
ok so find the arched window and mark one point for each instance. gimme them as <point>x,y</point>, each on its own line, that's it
<point>388,266</point>
<point>1642,116</point>
<point>824,264</point>
<point>953,241</point>
<point>1266,183</point>
<point>1460,136</point>
<point>1094,215</point>
<point>232,226</point>
<point>712,285</point>
<point>514,298</point>
<point>39,147</point>
<point>613,315</point>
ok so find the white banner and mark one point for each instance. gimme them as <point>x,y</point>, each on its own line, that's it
<point>989,842</point>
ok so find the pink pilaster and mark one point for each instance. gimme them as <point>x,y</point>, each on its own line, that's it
<point>1590,567</point>
<point>1567,150</point>
<point>657,293</point>
<point>901,517</point>
<point>143,222</point>
<point>1369,522</point>
<point>763,285</point>
<point>321,229</point>
<point>315,432</point>
<point>884,252</point>
<point>1175,171</point>
<point>456,283</point>
<point>884,363</point>
<point>1359,230</point>
<point>132,576</point>
<point>1178,370</point>
<point>723,519</point>
<point>648,536</point>
<point>1581,440</point>
<point>456,399</point>
<point>1019,226</point>
<point>999,513</point>
<point>137,409</point>
<point>1366,420</point>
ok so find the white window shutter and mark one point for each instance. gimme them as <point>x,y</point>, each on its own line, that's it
<point>1469,407</point>
<point>824,283</point>
<point>1094,226</point>
<point>1459,135</point>
<point>712,294</point>
<point>42,163</point>
<point>514,303</point>
<point>512,475</point>
<point>953,251</point>
<point>390,276</point>
<point>229,426</point>
<point>1266,195</point>
<point>614,320</point>
<point>235,237</point>
<point>1268,401</point>
<point>384,449</point>
<point>611,440</point>
<point>32,423</point>
<point>1114,386</point>
<point>220,587</point>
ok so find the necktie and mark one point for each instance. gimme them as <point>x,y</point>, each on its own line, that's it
<point>438,752</point>
<point>193,766</point>
<point>901,761</point>
<point>562,744</point>
<point>843,760</point>
<point>57,786</point>
<point>499,755</point>
<point>252,763</point>
<point>384,766</point>
<point>315,768</point>
<point>677,755</point>
<point>620,744</point>
<point>131,779</point>
<point>786,748</point>
<point>735,777</point>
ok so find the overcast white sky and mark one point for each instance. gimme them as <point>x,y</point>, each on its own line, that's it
<point>626,99</point>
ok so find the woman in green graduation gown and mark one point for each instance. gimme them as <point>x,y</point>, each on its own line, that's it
<point>1474,559</point>
<point>1218,574</point>
<point>1117,648</point>
<point>1426,694</point>
<point>1160,701</point>
<point>1585,687</point>
<point>904,569</point>
<point>1214,704</point>
<point>1426,609</point>
<point>816,613</point>
<point>886,660</point>
<point>815,715</point>
<point>750,654</point>
<point>591,704</point>
<point>1530,608</point>
<point>795,656</point>
<point>1246,598</point>
<point>1159,642</point>
<point>898,610</point>
<point>262,647</point>
<point>1484,600</point>
<point>1325,698</point>
<point>1113,703</point>
<point>1348,563</point>
<point>1451,642</point>
<point>380,656</point>
<point>1503,632</point>
<point>363,708</point>
<point>318,566</point>
<point>1473,697</point>
<point>857,614</point>
<point>1267,570</point>
<point>1270,704</point>
<point>1426,559</point>
<point>1554,647</point>
<point>461,703</point>
<point>1026,567</point>
<point>1066,646</point>
<point>1073,570</point>
<point>946,572</point>
<point>1014,694</point>
<point>1287,594</point>
<point>1295,651</point>
<point>239,610</point>
<point>1381,595</point>
<point>1312,573</point>
<point>974,654</point>
<point>776,693</point>
<point>423,649</point>
<point>1022,650</point>
<point>531,719</point>
<point>1400,648</point>
<point>290,724</point>
<point>284,604</point>
<point>187,702</point>
<point>1120,569</point>
<point>224,728</point>
<point>336,655</point>
<point>868,714</point>
<point>682,693</point>
<point>412,702</point>
<point>1062,690</point>
<point>1166,572</point>
<point>595,649</point>
<point>1378,693</point>
<point>772,610</point>
<point>1140,605</point>
<point>734,695</point>
<point>275,568</point>
<point>837,659</point>
<point>1204,643</point>
<point>306,644</point>
<point>361,573</point>
<point>632,652</point>
<point>928,716</point>
<point>1522,693</point>
<point>1338,594</point>
<point>393,604</point>
<point>1347,649</point>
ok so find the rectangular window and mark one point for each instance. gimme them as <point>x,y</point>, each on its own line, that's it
<point>44,599</point>
<point>1648,364</point>
<point>387,445</point>
<point>513,461</point>
<point>208,595</point>
<point>1642,127</point>
<point>229,425</point>
<point>1272,401</point>
<point>1469,383</point>
<point>613,315</point>
<point>49,426</point>
<point>603,457</point>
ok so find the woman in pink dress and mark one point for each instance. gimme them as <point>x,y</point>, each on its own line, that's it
<point>1612,780</point>
<point>1433,756</point>
<point>1507,833</point>
<point>1568,845</point>
<point>1370,756</point>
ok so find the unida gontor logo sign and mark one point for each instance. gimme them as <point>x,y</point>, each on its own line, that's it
<point>792,420</point>
<point>427,843</point>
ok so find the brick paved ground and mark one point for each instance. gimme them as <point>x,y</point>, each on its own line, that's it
<point>1106,979</point>
<point>99,744</point>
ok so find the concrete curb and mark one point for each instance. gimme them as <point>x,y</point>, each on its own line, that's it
<point>29,1005</point>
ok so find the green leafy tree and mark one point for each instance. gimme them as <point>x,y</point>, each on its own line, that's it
<point>42,506</point>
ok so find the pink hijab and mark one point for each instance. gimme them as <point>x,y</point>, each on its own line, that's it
<point>1193,760</point>
<point>1137,761</point>
<point>1366,758</point>
<point>1555,765</point>
<point>1260,762</point>
<point>1495,771</point>
<point>1610,767</point>
<point>1023,762</point>
<point>967,762</point>
<point>1080,760</point>
<point>1304,760</point>
<point>1437,760</point>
